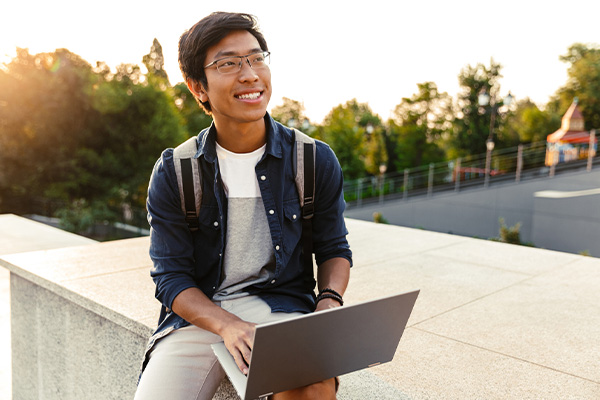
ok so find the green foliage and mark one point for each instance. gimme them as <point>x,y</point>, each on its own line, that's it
<point>471,127</point>
<point>418,124</point>
<point>81,216</point>
<point>378,218</point>
<point>583,83</point>
<point>194,117</point>
<point>291,113</point>
<point>81,135</point>
<point>510,235</point>
<point>529,124</point>
<point>345,130</point>
<point>45,114</point>
<point>87,137</point>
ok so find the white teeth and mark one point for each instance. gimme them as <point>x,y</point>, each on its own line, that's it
<point>249,96</point>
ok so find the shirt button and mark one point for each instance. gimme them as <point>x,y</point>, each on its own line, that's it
<point>216,223</point>
<point>273,281</point>
<point>294,216</point>
<point>263,178</point>
<point>271,212</point>
<point>277,247</point>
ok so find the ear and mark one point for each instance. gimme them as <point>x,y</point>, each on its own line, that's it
<point>197,89</point>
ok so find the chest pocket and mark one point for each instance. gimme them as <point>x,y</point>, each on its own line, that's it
<point>292,225</point>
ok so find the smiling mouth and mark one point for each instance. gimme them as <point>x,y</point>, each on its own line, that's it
<point>249,96</point>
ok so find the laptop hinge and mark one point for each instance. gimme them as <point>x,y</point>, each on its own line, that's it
<point>264,396</point>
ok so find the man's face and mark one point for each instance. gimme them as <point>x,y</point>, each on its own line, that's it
<point>238,97</point>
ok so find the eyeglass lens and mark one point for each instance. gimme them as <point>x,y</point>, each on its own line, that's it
<point>234,63</point>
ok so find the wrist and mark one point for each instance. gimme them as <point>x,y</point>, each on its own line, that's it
<point>330,294</point>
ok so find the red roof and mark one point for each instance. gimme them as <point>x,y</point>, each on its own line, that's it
<point>572,129</point>
<point>570,137</point>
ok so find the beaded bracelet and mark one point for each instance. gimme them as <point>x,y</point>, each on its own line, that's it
<point>330,294</point>
<point>328,290</point>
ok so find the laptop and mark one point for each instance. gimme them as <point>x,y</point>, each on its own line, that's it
<point>318,346</point>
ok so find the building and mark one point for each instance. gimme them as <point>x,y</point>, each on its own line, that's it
<point>571,142</point>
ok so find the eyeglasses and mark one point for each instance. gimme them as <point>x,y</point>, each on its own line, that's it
<point>233,64</point>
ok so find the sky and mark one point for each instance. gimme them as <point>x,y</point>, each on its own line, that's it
<point>326,52</point>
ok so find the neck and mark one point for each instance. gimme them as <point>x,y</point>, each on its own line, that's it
<point>242,138</point>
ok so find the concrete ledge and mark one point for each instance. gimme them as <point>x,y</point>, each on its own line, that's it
<point>20,235</point>
<point>492,321</point>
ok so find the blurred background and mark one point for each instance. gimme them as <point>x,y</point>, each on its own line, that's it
<point>90,94</point>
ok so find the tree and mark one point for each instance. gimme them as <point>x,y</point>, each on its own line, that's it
<point>291,113</point>
<point>155,63</point>
<point>45,113</point>
<point>529,124</point>
<point>345,130</point>
<point>418,123</point>
<point>583,83</point>
<point>87,137</point>
<point>194,117</point>
<point>471,126</point>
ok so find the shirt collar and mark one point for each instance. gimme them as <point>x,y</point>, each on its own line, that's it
<point>207,140</point>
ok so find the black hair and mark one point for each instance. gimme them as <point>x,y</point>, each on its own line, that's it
<point>210,30</point>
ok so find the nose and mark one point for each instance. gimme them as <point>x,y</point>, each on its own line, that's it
<point>247,73</point>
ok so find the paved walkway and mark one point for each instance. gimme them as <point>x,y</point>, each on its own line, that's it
<point>493,321</point>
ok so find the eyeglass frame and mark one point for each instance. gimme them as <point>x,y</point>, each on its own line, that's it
<point>266,54</point>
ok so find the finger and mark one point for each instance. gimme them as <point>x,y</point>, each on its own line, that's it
<point>247,354</point>
<point>241,363</point>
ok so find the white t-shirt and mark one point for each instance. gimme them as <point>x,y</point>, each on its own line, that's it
<point>249,256</point>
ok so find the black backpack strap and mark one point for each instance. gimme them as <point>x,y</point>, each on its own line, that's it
<point>305,155</point>
<point>189,181</point>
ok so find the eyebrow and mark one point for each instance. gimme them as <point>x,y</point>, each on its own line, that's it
<point>226,53</point>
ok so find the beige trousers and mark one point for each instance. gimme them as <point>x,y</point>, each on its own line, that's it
<point>182,365</point>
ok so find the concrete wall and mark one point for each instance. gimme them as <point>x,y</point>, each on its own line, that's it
<point>569,224</point>
<point>63,351</point>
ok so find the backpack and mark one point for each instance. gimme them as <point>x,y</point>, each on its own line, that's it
<point>189,182</point>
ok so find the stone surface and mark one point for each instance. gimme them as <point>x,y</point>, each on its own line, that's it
<point>429,366</point>
<point>492,321</point>
<point>18,235</point>
<point>67,352</point>
<point>551,320</point>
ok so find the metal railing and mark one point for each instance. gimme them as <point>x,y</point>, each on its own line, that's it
<point>516,164</point>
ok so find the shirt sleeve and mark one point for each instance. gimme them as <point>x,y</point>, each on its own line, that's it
<point>171,245</point>
<point>329,228</point>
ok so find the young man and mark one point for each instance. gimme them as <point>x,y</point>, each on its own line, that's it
<point>243,266</point>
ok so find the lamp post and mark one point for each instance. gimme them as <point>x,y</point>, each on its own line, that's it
<point>484,99</point>
<point>382,169</point>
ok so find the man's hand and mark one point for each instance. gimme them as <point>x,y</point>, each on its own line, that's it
<point>238,337</point>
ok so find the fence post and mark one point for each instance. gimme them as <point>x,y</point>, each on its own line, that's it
<point>457,175</point>
<point>430,181</point>
<point>405,185</point>
<point>519,163</point>
<point>381,188</point>
<point>591,151</point>
<point>359,192</point>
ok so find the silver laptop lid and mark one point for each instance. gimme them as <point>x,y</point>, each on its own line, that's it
<point>314,347</point>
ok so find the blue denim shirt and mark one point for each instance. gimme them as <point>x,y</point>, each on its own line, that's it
<point>184,259</point>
